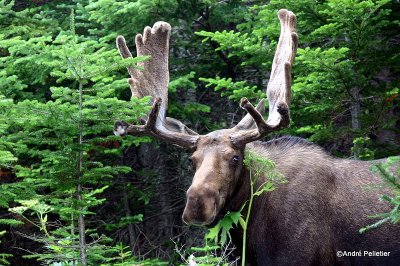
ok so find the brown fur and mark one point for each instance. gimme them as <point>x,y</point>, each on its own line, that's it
<point>317,213</point>
<point>304,222</point>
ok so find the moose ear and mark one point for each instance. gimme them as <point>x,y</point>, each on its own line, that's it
<point>247,122</point>
<point>175,125</point>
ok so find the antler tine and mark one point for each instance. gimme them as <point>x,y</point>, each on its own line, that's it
<point>280,82</point>
<point>125,53</point>
<point>153,81</point>
<point>279,85</point>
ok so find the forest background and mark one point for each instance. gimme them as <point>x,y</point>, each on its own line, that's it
<point>68,185</point>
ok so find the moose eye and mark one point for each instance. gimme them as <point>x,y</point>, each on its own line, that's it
<point>235,160</point>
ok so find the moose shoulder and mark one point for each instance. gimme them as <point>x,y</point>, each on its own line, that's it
<point>304,222</point>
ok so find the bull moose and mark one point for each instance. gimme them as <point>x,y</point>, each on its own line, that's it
<point>306,221</point>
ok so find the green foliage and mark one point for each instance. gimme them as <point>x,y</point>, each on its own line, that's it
<point>220,232</point>
<point>124,221</point>
<point>344,45</point>
<point>348,57</point>
<point>389,171</point>
<point>182,82</point>
<point>239,45</point>
<point>61,78</point>
<point>57,139</point>
<point>125,15</point>
<point>122,256</point>
<point>6,157</point>
<point>360,149</point>
<point>234,90</point>
<point>262,170</point>
<point>189,111</point>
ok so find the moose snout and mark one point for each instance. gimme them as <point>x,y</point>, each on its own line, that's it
<point>201,206</point>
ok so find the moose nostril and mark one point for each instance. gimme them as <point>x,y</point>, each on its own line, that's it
<point>194,203</point>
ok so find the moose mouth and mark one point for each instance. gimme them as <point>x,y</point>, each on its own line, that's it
<point>209,224</point>
<point>216,220</point>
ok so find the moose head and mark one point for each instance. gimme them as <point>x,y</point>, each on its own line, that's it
<point>217,156</point>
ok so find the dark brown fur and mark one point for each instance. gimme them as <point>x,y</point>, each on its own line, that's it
<point>317,213</point>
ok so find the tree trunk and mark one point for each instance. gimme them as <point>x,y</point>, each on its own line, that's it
<point>81,227</point>
<point>81,220</point>
<point>128,213</point>
<point>164,192</point>
<point>355,109</point>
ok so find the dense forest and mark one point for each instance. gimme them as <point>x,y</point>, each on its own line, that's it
<point>73,193</point>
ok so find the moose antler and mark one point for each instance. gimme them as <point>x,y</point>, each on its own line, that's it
<point>278,89</point>
<point>153,81</point>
